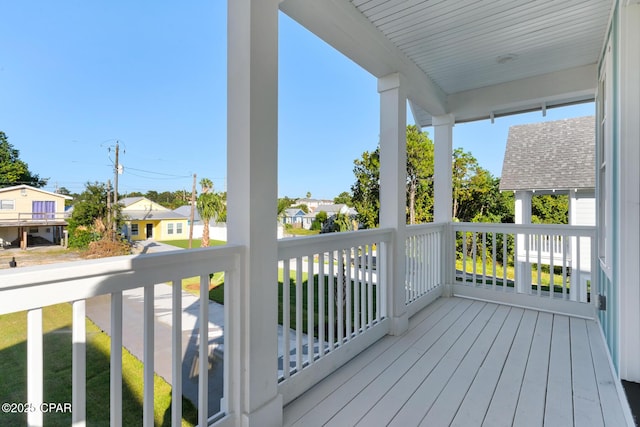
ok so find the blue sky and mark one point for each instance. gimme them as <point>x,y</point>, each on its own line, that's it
<point>77,76</point>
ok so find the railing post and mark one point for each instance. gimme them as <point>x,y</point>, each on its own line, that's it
<point>448,259</point>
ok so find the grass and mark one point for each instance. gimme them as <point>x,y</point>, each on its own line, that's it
<point>301,232</point>
<point>216,294</point>
<point>184,244</point>
<point>57,373</point>
<point>545,277</point>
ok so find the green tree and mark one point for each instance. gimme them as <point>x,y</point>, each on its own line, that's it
<point>419,173</point>
<point>210,207</point>
<point>90,218</point>
<point>343,198</point>
<point>283,204</point>
<point>366,189</point>
<point>14,171</point>
<point>550,209</point>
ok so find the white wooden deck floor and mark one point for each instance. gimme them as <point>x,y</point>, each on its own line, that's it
<point>471,363</point>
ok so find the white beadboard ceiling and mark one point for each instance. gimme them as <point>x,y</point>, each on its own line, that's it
<point>471,58</point>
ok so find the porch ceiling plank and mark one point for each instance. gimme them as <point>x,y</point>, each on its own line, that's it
<point>585,389</point>
<point>446,405</point>
<point>503,406</point>
<point>478,398</point>
<point>559,405</point>
<point>530,409</point>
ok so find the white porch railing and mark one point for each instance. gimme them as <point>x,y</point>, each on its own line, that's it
<point>33,288</point>
<point>423,269</point>
<point>333,299</point>
<point>551,262</point>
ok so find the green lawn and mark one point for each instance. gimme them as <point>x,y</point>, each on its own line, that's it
<point>301,232</point>
<point>184,244</point>
<point>57,373</point>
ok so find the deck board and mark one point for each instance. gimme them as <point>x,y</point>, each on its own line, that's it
<point>469,363</point>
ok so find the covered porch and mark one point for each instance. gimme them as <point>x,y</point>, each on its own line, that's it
<point>392,299</point>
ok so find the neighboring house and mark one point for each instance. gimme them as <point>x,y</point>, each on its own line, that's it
<point>186,211</point>
<point>31,213</point>
<point>331,210</point>
<point>145,219</point>
<point>313,204</point>
<point>293,217</point>
<point>555,157</point>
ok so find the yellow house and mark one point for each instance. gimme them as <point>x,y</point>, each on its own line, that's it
<point>145,219</point>
<point>29,215</point>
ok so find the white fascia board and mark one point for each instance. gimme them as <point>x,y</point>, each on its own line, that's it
<point>342,26</point>
<point>561,87</point>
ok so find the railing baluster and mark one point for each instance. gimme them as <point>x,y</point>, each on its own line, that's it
<point>148,355</point>
<point>484,259</point>
<point>370,284</point>
<point>464,257</point>
<point>505,261</point>
<point>299,325</point>
<point>310,310</point>
<point>349,302</point>
<point>321,303</point>
<point>551,267</point>
<point>564,267</point>
<point>363,287</point>
<point>176,352</point>
<point>356,290</point>
<point>35,368</point>
<point>578,285</point>
<point>493,259</point>
<point>332,300</point>
<point>79,364</point>
<point>340,302</point>
<point>286,318</point>
<point>203,362</point>
<point>116,360</point>
<point>539,239</point>
<point>474,243</point>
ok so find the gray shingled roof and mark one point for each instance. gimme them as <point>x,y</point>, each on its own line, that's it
<point>556,155</point>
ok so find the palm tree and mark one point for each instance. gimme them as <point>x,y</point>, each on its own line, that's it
<point>209,206</point>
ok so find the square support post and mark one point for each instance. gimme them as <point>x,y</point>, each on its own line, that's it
<point>443,193</point>
<point>523,266</point>
<point>442,168</point>
<point>393,192</point>
<point>252,170</point>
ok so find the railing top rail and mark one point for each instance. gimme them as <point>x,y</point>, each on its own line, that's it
<point>291,248</point>
<point>31,287</point>
<point>415,229</point>
<point>560,229</point>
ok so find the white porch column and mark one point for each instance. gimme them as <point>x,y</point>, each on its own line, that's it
<point>627,267</point>
<point>252,145</point>
<point>393,191</point>
<point>522,216</point>
<point>442,168</point>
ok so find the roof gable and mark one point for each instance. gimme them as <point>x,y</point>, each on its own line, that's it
<point>33,189</point>
<point>141,204</point>
<point>555,155</point>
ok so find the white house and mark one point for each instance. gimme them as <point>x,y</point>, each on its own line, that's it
<point>555,157</point>
<point>416,346</point>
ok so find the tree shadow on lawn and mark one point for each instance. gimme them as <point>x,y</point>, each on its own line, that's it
<point>57,349</point>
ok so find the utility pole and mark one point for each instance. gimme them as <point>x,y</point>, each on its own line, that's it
<point>115,192</point>
<point>193,206</point>
<point>108,207</point>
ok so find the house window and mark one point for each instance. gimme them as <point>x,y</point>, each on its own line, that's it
<point>134,229</point>
<point>7,205</point>
<point>179,228</point>
<point>170,228</point>
<point>33,230</point>
<point>604,160</point>
<point>43,209</point>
